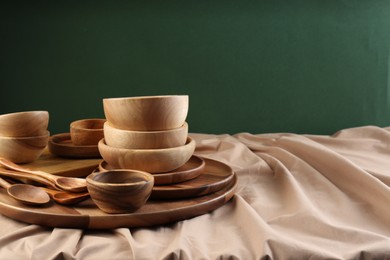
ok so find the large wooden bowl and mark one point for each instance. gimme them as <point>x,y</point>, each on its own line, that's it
<point>24,124</point>
<point>87,131</point>
<point>129,139</point>
<point>23,149</point>
<point>148,113</point>
<point>149,160</point>
<point>120,191</point>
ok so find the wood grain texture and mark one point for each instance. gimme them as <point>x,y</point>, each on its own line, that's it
<point>61,145</point>
<point>71,184</point>
<point>86,215</point>
<point>213,177</point>
<point>190,170</point>
<point>129,139</point>
<point>148,160</point>
<point>87,131</point>
<point>23,124</point>
<point>56,165</point>
<point>148,113</point>
<point>120,191</point>
<point>23,149</point>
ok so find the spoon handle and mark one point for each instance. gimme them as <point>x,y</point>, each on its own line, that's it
<point>13,166</point>
<point>22,176</point>
<point>4,183</point>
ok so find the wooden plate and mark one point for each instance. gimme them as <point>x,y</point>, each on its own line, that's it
<point>87,216</point>
<point>190,170</point>
<point>61,145</point>
<point>213,177</point>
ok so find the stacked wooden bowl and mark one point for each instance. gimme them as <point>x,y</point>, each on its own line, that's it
<point>23,135</point>
<point>147,133</point>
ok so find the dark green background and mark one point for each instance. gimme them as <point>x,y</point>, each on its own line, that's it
<point>248,66</point>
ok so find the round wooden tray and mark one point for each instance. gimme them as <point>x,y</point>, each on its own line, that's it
<point>61,145</point>
<point>190,170</point>
<point>86,215</point>
<point>213,177</point>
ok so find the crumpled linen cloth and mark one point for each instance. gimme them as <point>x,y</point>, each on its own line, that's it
<point>298,197</point>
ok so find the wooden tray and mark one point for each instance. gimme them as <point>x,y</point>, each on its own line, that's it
<point>56,165</point>
<point>87,216</point>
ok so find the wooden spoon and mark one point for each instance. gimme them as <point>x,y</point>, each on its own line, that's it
<point>25,193</point>
<point>25,177</point>
<point>66,198</point>
<point>66,183</point>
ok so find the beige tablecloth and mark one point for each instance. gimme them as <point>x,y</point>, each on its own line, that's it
<point>298,197</point>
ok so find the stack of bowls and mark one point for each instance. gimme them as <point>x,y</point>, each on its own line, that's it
<point>23,135</point>
<point>147,133</point>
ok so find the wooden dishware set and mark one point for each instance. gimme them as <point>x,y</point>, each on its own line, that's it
<point>148,166</point>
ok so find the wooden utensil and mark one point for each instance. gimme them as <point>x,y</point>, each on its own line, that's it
<point>27,194</point>
<point>26,177</point>
<point>66,198</point>
<point>65,183</point>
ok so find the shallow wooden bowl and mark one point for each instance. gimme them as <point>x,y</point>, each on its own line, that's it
<point>87,131</point>
<point>120,191</point>
<point>24,124</point>
<point>149,160</point>
<point>61,145</point>
<point>190,170</point>
<point>23,149</point>
<point>129,139</point>
<point>147,113</point>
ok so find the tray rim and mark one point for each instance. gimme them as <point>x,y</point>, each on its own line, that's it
<point>171,192</point>
<point>209,203</point>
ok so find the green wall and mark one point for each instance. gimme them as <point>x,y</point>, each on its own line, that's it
<point>248,66</point>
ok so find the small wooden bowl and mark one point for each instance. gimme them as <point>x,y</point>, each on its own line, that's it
<point>87,131</point>
<point>120,191</point>
<point>149,160</point>
<point>129,139</point>
<point>148,113</point>
<point>24,124</point>
<point>23,149</point>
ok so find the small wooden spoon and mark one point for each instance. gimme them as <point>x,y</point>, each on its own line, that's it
<point>26,193</point>
<point>66,198</point>
<point>66,183</point>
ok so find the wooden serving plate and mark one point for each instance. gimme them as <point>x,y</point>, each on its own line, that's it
<point>190,170</point>
<point>61,145</point>
<point>213,177</point>
<point>86,215</point>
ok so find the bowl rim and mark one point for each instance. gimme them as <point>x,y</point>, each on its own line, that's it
<point>45,112</point>
<point>146,97</point>
<point>74,124</point>
<point>147,178</point>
